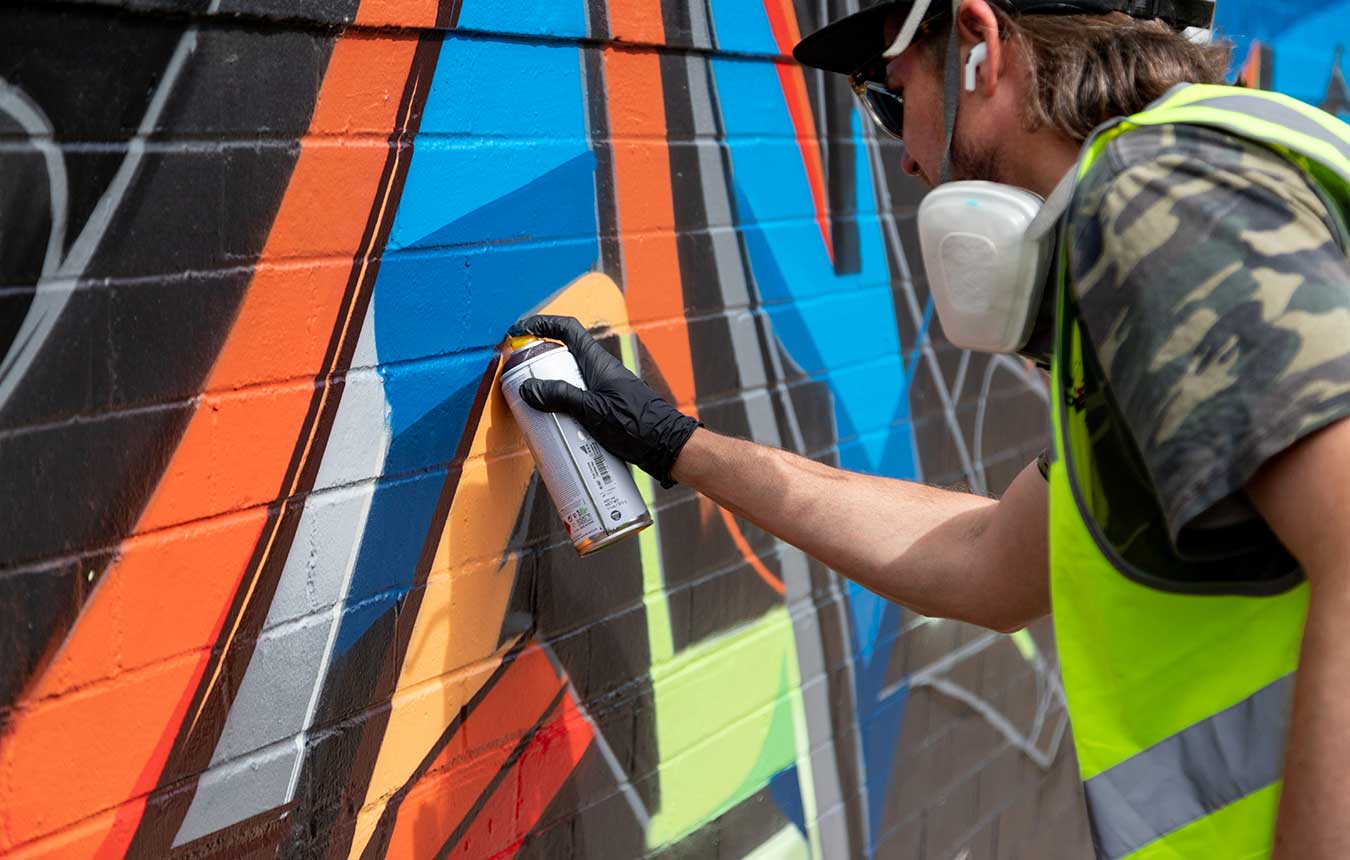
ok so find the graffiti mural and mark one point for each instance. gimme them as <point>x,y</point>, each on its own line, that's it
<point>1296,47</point>
<point>277,578</point>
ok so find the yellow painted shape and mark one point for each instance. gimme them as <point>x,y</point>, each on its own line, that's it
<point>594,299</point>
<point>453,648</point>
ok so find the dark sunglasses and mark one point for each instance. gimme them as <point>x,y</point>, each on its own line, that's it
<point>883,104</point>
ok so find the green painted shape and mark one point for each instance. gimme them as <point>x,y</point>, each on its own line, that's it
<point>724,723</point>
<point>780,745</point>
<point>1022,639</point>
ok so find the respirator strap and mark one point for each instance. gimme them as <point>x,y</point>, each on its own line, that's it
<point>951,91</point>
<point>1055,206</point>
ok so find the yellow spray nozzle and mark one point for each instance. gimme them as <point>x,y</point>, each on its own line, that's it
<point>518,341</point>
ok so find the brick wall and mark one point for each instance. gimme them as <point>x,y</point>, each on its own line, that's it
<point>276,575</point>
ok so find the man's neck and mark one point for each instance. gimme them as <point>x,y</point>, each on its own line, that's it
<point>1048,156</point>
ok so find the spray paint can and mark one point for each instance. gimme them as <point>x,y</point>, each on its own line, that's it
<point>591,488</point>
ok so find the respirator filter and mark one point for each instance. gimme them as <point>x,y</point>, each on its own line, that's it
<point>986,264</point>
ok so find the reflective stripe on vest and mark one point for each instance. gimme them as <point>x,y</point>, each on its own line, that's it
<point>1179,701</point>
<point>1197,771</point>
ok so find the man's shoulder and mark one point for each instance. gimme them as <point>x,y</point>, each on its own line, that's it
<point>1191,161</point>
<point>1211,286</point>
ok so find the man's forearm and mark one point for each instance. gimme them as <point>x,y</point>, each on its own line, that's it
<point>917,545</point>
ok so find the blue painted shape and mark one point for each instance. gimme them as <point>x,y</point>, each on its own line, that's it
<point>528,122</point>
<point>880,726</point>
<point>517,216</point>
<point>498,89</point>
<point>742,25</point>
<point>552,18</point>
<point>1303,34</point>
<point>1306,51</point>
<point>786,790</point>
<point>489,206</point>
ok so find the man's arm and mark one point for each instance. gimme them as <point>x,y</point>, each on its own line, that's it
<point>1305,496</point>
<point>947,555</point>
<point>944,554</point>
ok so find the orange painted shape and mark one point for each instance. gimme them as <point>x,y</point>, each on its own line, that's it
<point>80,841</point>
<point>645,204</point>
<point>90,751</point>
<point>368,71</point>
<point>786,34</point>
<point>450,787</point>
<point>69,754</point>
<point>410,14</point>
<point>748,553</point>
<point>518,803</point>
<point>636,21</point>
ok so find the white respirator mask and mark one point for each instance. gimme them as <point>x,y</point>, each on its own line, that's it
<point>987,254</point>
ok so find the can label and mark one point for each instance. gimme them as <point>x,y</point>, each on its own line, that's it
<point>592,489</point>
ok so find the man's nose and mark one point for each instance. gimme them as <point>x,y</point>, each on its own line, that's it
<point>909,165</point>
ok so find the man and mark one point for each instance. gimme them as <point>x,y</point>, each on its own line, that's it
<point>1195,527</point>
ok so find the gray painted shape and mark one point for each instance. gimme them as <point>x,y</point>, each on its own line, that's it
<point>275,702</point>
<point>33,122</point>
<point>701,32</point>
<point>230,793</point>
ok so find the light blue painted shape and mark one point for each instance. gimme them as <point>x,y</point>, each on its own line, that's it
<point>1308,49</point>
<point>791,265</point>
<point>742,25</point>
<point>1303,34</point>
<point>549,18</point>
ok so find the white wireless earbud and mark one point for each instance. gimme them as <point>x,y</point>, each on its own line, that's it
<point>978,55</point>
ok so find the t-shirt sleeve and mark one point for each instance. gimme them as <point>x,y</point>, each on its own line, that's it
<point>1216,296</point>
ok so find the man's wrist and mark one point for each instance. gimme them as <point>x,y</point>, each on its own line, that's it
<point>692,457</point>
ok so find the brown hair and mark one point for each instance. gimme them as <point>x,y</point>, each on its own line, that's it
<point>1087,69</point>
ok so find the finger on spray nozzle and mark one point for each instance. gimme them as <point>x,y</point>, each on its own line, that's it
<point>552,395</point>
<point>520,327</point>
<point>566,329</point>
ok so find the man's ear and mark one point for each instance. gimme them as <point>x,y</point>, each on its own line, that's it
<point>976,23</point>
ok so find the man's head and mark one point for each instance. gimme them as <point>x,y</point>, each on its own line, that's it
<point>1048,78</point>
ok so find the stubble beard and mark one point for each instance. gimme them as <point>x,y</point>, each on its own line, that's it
<point>975,161</point>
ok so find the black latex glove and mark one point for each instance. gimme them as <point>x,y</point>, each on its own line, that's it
<point>621,411</point>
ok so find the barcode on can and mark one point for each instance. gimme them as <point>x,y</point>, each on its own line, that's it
<point>597,455</point>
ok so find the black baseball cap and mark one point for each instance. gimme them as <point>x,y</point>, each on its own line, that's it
<point>844,45</point>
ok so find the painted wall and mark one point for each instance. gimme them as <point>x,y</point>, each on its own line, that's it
<point>276,576</point>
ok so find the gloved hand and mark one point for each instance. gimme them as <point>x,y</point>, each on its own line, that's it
<point>621,411</point>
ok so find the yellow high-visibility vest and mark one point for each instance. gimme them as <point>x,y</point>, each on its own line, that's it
<point>1179,698</point>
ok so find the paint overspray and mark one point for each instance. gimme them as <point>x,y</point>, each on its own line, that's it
<point>592,489</point>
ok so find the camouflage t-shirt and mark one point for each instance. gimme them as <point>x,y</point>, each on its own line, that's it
<point>1215,297</point>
